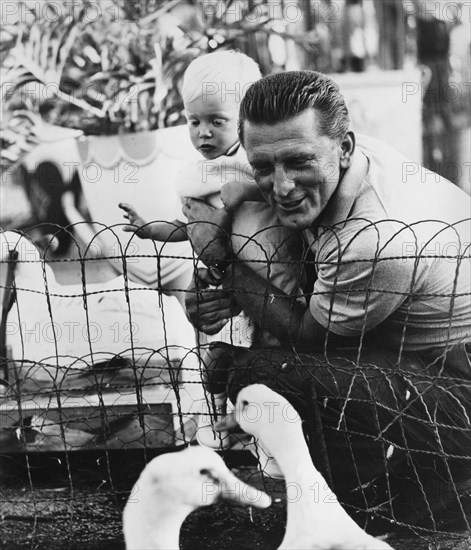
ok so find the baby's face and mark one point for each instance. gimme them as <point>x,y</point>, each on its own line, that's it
<point>212,124</point>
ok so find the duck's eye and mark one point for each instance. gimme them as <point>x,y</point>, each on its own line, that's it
<point>205,472</point>
<point>245,403</point>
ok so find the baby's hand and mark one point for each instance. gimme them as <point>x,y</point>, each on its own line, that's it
<point>134,219</point>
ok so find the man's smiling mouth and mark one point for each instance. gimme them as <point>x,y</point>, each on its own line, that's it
<point>289,206</point>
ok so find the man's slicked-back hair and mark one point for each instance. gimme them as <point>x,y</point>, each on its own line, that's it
<point>281,96</point>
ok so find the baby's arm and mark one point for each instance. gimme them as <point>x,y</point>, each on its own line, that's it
<point>174,231</point>
<point>234,193</point>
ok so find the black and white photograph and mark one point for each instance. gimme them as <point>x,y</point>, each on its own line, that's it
<point>235,275</point>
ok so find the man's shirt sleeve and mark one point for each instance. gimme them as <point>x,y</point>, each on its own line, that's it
<point>363,276</point>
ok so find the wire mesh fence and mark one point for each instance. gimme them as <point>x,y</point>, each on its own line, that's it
<point>99,376</point>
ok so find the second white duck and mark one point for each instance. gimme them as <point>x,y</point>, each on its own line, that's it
<point>315,518</point>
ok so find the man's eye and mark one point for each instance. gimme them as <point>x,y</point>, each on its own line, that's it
<point>262,171</point>
<point>193,122</point>
<point>299,163</point>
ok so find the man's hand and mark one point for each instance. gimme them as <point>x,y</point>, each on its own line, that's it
<point>232,195</point>
<point>208,230</point>
<point>208,309</point>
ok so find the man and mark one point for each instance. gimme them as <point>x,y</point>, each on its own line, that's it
<point>392,265</point>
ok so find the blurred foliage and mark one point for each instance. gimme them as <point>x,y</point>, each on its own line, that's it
<point>18,137</point>
<point>115,65</point>
<point>101,75</point>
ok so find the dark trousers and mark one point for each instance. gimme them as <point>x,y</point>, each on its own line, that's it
<point>373,422</point>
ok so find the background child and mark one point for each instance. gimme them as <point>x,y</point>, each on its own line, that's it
<point>213,86</point>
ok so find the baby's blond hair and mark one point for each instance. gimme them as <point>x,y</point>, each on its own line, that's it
<point>225,74</point>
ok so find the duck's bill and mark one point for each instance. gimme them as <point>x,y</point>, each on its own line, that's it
<point>235,490</point>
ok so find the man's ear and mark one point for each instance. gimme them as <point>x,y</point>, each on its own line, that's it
<point>347,149</point>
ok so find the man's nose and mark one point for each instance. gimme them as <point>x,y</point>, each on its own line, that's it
<point>282,183</point>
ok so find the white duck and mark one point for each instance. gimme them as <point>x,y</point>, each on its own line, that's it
<point>315,519</point>
<point>173,485</point>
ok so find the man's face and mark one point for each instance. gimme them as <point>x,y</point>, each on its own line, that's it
<point>212,124</point>
<point>296,168</point>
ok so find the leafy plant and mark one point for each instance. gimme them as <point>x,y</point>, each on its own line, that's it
<point>119,69</point>
<point>104,76</point>
<point>18,137</point>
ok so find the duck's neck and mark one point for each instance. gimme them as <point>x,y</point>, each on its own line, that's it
<point>299,471</point>
<point>309,498</point>
<point>315,519</point>
<point>292,455</point>
<point>154,526</point>
<point>166,530</point>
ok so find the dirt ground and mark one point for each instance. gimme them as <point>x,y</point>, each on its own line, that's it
<point>87,516</point>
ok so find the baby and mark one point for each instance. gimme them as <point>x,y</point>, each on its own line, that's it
<point>213,87</point>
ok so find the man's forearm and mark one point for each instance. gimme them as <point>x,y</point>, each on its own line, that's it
<point>282,315</point>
